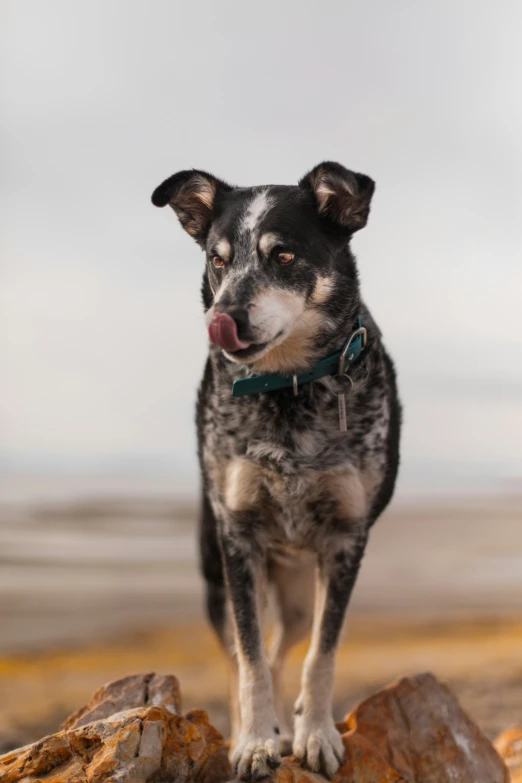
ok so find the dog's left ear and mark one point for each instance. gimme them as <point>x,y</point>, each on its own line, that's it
<point>341,195</point>
<point>193,196</point>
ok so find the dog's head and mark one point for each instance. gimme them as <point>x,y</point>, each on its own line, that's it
<point>279,279</point>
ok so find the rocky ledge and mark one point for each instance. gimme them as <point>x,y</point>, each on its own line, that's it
<point>133,731</point>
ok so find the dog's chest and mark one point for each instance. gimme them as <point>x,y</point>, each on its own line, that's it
<point>287,461</point>
<point>291,499</point>
<point>291,435</point>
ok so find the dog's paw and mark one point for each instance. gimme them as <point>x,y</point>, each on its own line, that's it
<point>318,745</point>
<point>255,758</point>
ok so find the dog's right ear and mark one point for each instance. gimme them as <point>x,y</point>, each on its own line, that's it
<point>192,195</point>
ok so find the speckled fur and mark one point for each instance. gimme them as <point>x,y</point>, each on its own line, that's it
<point>284,491</point>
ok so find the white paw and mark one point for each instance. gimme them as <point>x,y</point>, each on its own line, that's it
<point>318,744</point>
<point>255,758</point>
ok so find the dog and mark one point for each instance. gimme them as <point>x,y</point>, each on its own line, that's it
<point>298,422</point>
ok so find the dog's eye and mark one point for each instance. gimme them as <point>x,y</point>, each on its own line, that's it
<point>285,258</point>
<point>217,261</point>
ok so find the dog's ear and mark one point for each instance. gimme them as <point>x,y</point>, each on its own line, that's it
<point>193,196</point>
<point>341,195</point>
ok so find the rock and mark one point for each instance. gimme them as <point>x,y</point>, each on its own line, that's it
<point>145,744</point>
<point>411,731</point>
<point>362,764</point>
<point>423,733</point>
<point>509,746</point>
<point>132,731</point>
<point>139,690</point>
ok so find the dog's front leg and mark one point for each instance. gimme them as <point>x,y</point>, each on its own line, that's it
<point>316,740</point>
<point>256,753</point>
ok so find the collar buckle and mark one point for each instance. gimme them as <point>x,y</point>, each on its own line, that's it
<point>345,352</point>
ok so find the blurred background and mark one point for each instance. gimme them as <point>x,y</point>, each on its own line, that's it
<point>102,339</point>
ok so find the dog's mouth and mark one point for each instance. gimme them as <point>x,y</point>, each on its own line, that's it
<point>247,353</point>
<point>222,332</point>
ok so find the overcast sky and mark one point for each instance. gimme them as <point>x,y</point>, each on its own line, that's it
<point>102,338</point>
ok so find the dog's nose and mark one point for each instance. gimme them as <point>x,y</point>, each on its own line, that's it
<point>240,316</point>
<point>236,312</point>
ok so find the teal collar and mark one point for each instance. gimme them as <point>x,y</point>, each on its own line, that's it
<point>334,364</point>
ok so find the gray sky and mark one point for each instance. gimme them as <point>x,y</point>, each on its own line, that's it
<point>102,338</point>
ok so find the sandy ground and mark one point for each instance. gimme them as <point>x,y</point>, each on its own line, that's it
<point>481,660</point>
<point>95,589</point>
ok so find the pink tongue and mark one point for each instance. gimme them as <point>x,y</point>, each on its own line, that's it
<point>222,331</point>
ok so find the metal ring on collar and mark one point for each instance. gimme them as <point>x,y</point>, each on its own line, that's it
<point>342,358</point>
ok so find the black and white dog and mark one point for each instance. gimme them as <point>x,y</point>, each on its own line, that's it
<point>300,458</point>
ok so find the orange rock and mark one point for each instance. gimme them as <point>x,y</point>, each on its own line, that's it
<point>362,764</point>
<point>41,758</point>
<point>421,730</point>
<point>139,690</point>
<point>195,751</point>
<point>509,746</point>
<point>291,771</point>
<point>143,745</point>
